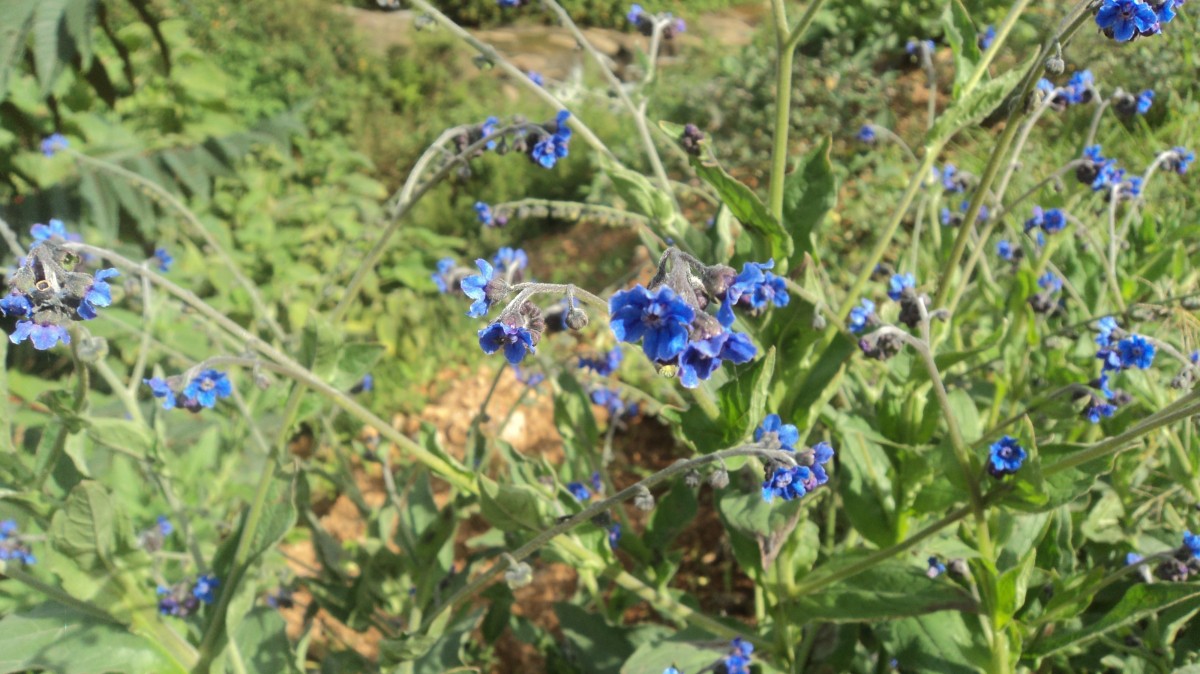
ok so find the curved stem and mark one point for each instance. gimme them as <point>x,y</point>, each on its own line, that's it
<point>1181,409</point>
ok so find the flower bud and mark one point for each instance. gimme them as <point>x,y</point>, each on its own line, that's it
<point>577,319</point>
<point>1055,65</point>
<point>719,479</point>
<point>518,576</point>
<point>818,320</point>
<point>643,500</point>
<point>692,478</point>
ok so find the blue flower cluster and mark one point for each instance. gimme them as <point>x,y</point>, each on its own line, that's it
<point>181,602</point>
<point>1102,174</point>
<point>862,316</point>
<point>644,22</point>
<point>606,365</point>
<point>484,213</point>
<point>508,334</point>
<point>548,149</point>
<point>12,547</point>
<point>1005,457</point>
<point>1050,222</point>
<point>1007,251</point>
<point>1079,89</point>
<point>757,288</point>
<point>46,294</point>
<point>951,219</point>
<point>1047,300</point>
<point>673,333</point>
<point>791,481</point>
<point>1124,20</point>
<point>202,391</point>
<point>986,38</point>
<point>738,661</point>
<point>1179,160</point>
<point>163,259</point>
<point>579,491</point>
<point>912,47</point>
<point>1191,542</point>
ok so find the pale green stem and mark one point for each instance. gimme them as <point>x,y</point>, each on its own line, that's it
<point>1177,411</point>
<point>189,217</point>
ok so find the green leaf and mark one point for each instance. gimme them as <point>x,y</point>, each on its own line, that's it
<point>121,434</point>
<point>1138,602</point>
<point>16,21</point>
<point>672,514</point>
<point>512,507</point>
<point>574,419</point>
<point>865,482</point>
<point>809,193</point>
<point>641,196</point>
<point>961,35</point>
<point>60,639</point>
<point>687,653</point>
<point>742,403</point>
<point>261,640</point>
<point>51,44</point>
<point>770,238</point>
<point>938,642</point>
<point>977,104</point>
<point>80,18</point>
<point>890,590</point>
<point>87,528</point>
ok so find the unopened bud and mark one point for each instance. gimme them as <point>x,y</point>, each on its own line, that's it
<point>818,320</point>
<point>719,479</point>
<point>577,319</point>
<point>959,567</point>
<point>643,500</point>
<point>518,576</point>
<point>1055,65</point>
<point>692,478</point>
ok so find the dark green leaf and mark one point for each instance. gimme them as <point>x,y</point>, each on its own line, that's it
<point>938,642</point>
<point>975,105</point>
<point>16,21</point>
<point>770,238</point>
<point>890,590</point>
<point>512,507</point>
<point>961,35</point>
<point>574,419</point>
<point>809,193</point>
<point>1139,601</point>
<point>672,515</point>
<point>263,644</point>
<point>741,401</point>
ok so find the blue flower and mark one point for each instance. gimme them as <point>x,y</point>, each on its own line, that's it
<point>579,491</point>
<point>486,129</point>
<point>509,260</point>
<point>484,213</point>
<point>659,319</point>
<point>161,389</point>
<point>899,283</point>
<point>515,340</point>
<point>1122,20</point>
<point>671,670</point>
<point>1079,87</point>
<point>702,357</point>
<point>1006,457</point>
<point>597,484</point>
<point>606,366</point>
<point>7,528</point>
<point>205,585</point>
<point>364,385</point>
<point>950,180</point>
<point>614,536</point>
<point>530,379</point>
<point>475,288</point>
<point>1180,159</point>
<point>1144,101</point>
<point>635,13</point>
<point>53,143</point>
<point>1165,11</point>
<point>1110,360</point>
<point>164,259</point>
<point>1136,351</point>
<point>206,389</point>
<point>1105,326</point>
<point>754,286</point>
<point>913,46</point>
<point>98,295</point>
<point>867,134</point>
<point>553,147</point>
<point>936,568</point>
<point>1055,221</point>
<point>536,78</point>
<point>787,483</point>
<point>164,525</point>
<point>43,335</point>
<point>986,38</point>
<point>1097,409</point>
<point>1050,282</point>
<point>16,304</point>
<point>1005,250</point>
<point>56,228</point>
<point>1132,558</point>
<point>442,278</point>
<point>773,430</point>
<point>861,316</point>
<point>1192,543</point>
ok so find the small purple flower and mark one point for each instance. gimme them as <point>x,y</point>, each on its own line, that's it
<point>606,366</point>
<point>486,129</point>
<point>986,38</point>
<point>536,78</point>
<point>1050,282</point>
<point>364,385</point>
<point>866,134</point>
<point>442,277</point>
<point>1136,351</point>
<point>1180,159</point>
<point>1132,558</point>
<point>164,525</point>
<point>936,568</point>
<point>548,150</point>
<point>702,357</point>
<point>16,304</point>
<point>1192,543</point>
<point>614,536</point>
<point>1105,326</point>
<point>510,260</point>
<point>1004,249</point>
<point>515,340</point>
<point>56,228</point>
